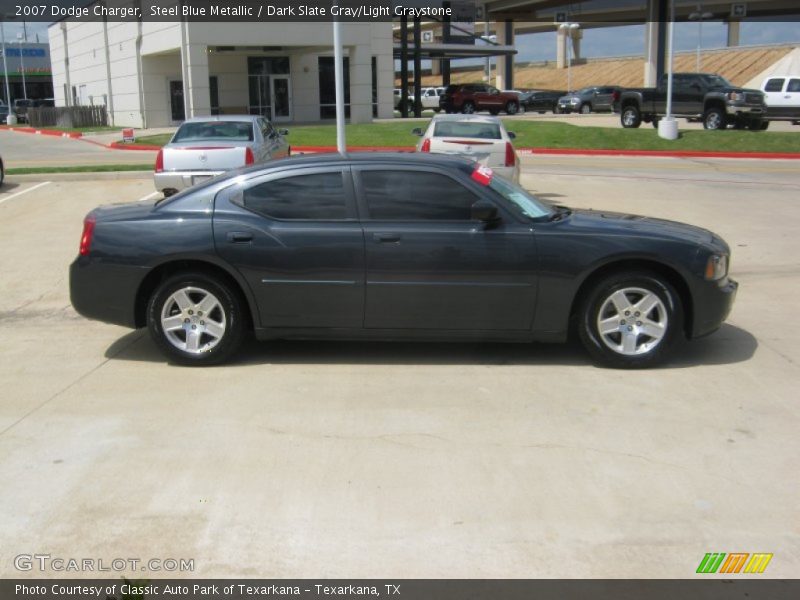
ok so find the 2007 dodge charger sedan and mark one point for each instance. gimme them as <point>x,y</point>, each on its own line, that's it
<point>391,247</point>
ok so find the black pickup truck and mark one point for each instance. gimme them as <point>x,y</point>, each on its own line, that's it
<point>711,98</point>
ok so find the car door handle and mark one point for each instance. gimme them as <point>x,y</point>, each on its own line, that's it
<point>386,238</point>
<point>239,237</point>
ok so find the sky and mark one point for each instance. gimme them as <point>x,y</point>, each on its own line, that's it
<point>604,41</point>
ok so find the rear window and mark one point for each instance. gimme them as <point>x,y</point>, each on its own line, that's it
<point>482,131</point>
<point>219,131</point>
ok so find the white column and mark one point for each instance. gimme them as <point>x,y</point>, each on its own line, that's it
<point>733,33</point>
<point>561,48</point>
<point>503,62</point>
<point>651,52</point>
<point>360,83</point>
<point>196,86</point>
<point>385,68</point>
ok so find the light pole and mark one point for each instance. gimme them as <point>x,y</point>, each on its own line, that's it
<point>5,64</point>
<point>699,16</point>
<point>668,126</point>
<point>569,29</point>
<point>22,67</point>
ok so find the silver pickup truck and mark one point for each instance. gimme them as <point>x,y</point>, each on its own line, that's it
<point>207,146</point>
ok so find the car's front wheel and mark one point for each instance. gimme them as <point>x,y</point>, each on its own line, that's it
<point>586,108</point>
<point>715,118</point>
<point>196,319</point>
<point>630,320</point>
<point>468,108</point>
<point>630,117</point>
<point>512,108</point>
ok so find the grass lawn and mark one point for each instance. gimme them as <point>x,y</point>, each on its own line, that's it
<point>534,134</point>
<point>82,169</point>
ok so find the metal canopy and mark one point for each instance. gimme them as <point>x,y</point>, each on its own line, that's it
<point>455,51</point>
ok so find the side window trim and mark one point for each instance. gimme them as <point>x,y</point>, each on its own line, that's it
<point>235,193</point>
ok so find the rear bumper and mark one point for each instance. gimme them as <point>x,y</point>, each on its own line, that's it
<point>179,180</point>
<point>712,305</point>
<point>105,292</point>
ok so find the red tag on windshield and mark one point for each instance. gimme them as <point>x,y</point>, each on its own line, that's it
<point>483,175</point>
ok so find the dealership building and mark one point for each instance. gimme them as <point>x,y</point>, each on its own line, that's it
<point>26,66</point>
<point>156,74</point>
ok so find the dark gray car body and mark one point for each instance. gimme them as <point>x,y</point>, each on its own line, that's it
<point>519,279</point>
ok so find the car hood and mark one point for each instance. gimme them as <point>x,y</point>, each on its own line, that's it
<point>622,223</point>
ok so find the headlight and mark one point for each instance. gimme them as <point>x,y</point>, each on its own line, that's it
<point>574,100</point>
<point>736,96</point>
<point>716,267</point>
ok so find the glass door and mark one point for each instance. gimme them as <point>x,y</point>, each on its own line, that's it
<point>260,96</point>
<point>281,98</point>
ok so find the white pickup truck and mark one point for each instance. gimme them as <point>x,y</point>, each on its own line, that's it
<point>204,147</point>
<point>783,97</point>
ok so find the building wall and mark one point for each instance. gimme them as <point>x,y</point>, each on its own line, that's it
<point>131,64</point>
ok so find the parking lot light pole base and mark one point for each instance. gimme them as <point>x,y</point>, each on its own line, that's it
<point>668,128</point>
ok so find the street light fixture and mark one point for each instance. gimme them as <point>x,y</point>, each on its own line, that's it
<point>700,16</point>
<point>569,29</point>
<point>22,66</point>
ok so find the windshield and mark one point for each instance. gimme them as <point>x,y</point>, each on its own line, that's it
<point>483,131</point>
<point>220,131</point>
<point>529,205</point>
<point>717,81</point>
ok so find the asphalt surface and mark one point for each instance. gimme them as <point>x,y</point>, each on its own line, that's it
<point>409,460</point>
<point>31,150</point>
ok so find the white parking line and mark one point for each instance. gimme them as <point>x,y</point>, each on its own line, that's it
<point>149,196</point>
<point>30,189</point>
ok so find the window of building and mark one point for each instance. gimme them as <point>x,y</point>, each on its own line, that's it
<point>267,65</point>
<point>327,87</point>
<point>416,196</point>
<point>374,87</point>
<point>317,197</point>
<point>213,86</point>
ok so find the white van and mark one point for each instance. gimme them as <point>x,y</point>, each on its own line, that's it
<point>783,97</point>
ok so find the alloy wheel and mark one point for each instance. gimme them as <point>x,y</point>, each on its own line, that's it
<point>193,320</point>
<point>632,321</point>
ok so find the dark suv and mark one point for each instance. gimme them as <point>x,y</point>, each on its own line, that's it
<point>590,99</point>
<point>469,98</point>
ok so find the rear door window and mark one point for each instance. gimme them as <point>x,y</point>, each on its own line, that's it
<point>307,197</point>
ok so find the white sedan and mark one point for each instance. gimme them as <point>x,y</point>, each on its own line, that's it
<point>479,138</point>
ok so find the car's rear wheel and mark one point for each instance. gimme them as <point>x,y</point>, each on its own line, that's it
<point>715,118</point>
<point>630,320</point>
<point>586,108</point>
<point>196,319</point>
<point>468,108</point>
<point>494,111</point>
<point>630,117</point>
<point>758,125</point>
<point>512,108</point>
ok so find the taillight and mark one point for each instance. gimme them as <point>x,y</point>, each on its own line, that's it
<point>615,96</point>
<point>86,237</point>
<point>426,145</point>
<point>160,161</point>
<point>511,157</point>
<point>249,159</point>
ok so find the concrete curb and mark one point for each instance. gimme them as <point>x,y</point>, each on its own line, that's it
<point>88,176</point>
<point>54,132</point>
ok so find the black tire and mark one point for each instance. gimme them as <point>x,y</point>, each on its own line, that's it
<point>669,313</point>
<point>2,172</point>
<point>437,110</point>
<point>494,111</point>
<point>715,119</point>
<point>758,125</point>
<point>228,310</point>
<point>468,108</point>
<point>512,108</point>
<point>586,108</point>
<point>630,117</point>
<point>654,122</point>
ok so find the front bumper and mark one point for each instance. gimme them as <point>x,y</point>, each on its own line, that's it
<point>712,304</point>
<point>180,180</point>
<point>743,109</point>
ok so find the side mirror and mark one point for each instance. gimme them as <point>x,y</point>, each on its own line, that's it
<point>484,211</point>
<point>512,135</point>
<point>417,131</point>
<point>283,131</point>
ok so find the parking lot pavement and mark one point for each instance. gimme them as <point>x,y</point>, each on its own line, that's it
<point>410,460</point>
<point>30,150</point>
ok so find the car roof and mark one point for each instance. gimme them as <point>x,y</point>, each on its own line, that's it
<point>360,158</point>
<point>467,118</point>
<point>212,118</point>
